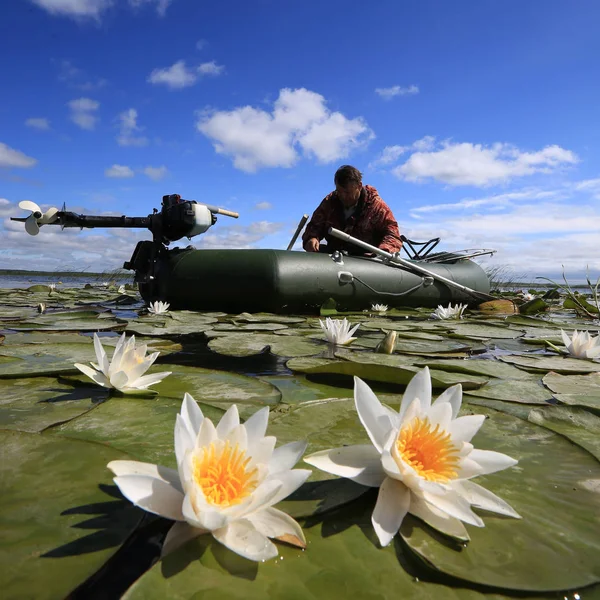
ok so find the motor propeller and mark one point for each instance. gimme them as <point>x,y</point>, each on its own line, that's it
<point>37,218</point>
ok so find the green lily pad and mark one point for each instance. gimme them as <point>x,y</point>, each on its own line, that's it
<point>267,318</point>
<point>385,368</point>
<point>172,328</point>
<point>515,390</point>
<point>484,331</point>
<point>419,347</point>
<point>95,324</point>
<point>555,545</point>
<point>247,344</point>
<point>38,366</point>
<point>582,390</point>
<point>340,561</point>
<point>576,424</point>
<point>249,327</point>
<point>559,364</point>
<point>297,389</point>
<point>33,404</point>
<point>487,368</point>
<point>55,535</point>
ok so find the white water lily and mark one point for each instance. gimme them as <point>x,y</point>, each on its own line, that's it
<point>125,372</point>
<point>379,307</point>
<point>582,344</point>
<point>158,307</point>
<point>52,286</point>
<point>227,480</point>
<point>527,296</point>
<point>121,289</point>
<point>421,459</point>
<point>338,331</point>
<point>452,312</point>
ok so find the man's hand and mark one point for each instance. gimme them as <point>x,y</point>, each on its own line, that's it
<point>312,245</point>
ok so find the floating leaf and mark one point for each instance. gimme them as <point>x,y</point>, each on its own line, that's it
<point>583,390</point>
<point>247,344</point>
<point>59,526</point>
<point>559,364</point>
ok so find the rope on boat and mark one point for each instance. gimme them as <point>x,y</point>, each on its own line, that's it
<point>412,289</point>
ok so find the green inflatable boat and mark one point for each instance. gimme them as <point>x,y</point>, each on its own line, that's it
<point>282,281</point>
<point>276,280</point>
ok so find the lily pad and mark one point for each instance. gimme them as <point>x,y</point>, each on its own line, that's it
<point>33,404</point>
<point>582,390</point>
<point>555,545</point>
<point>340,561</point>
<point>485,331</point>
<point>55,535</point>
<point>247,344</point>
<point>559,364</point>
<point>487,368</point>
<point>576,424</point>
<point>529,391</point>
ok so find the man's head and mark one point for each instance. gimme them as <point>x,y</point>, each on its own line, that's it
<point>348,185</point>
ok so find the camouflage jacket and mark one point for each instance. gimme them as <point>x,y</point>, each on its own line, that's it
<point>372,222</point>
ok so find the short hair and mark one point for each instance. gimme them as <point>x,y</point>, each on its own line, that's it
<point>347,174</point>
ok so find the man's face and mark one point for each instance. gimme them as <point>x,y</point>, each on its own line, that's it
<point>349,193</point>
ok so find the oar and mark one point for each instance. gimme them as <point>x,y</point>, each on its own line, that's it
<point>409,265</point>
<point>298,230</point>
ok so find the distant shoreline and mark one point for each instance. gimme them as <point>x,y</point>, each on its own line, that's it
<point>116,274</point>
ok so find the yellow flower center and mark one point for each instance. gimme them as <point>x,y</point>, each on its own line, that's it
<point>223,475</point>
<point>428,450</point>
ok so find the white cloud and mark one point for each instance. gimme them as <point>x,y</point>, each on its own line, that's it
<point>83,112</point>
<point>119,172</point>
<point>128,126</point>
<point>397,90</point>
<point>237,236</point>
<point>156,173</point>
<point>478,165</point>
<point>9,157</point>
<point>179,76</point>
<point>390,154</point>
<point>78,9</point>
<point>161,5</point>
<point>38,123</point>
<point>590,185</point>
<point>93,9</point>
<point>263,206</point>
<point>300,119</point>
<point>201,44</point>
<point>210,68</point>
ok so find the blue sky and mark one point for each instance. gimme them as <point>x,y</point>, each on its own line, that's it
<point>476,121</point>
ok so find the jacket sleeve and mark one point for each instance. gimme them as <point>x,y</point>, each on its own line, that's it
<point>388,230</point>
<point>317,226</point>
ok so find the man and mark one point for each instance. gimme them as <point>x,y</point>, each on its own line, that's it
<point>358,211</point>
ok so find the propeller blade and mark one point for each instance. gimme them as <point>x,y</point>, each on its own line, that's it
<point>31,226</point>
<point>49,216</point>
<point>29,205</point>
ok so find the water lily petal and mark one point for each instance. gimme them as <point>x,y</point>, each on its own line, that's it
<point>243,538</point>
<point>468,468</point>
<point>359,463</point>
<point>440,414</point>
<point>148,380</point>
<point>205,519</point>
<point>95,376</point>
<point>180,533</point>
<point>119,380</point>
<point>152,494</point>
<point>274,523</point>
<point>453,395</point>
<point>481,498</point>
<point>262,451</point>
<point>185,440</point>
<point>290,481</point>
<point>437,519</point>
<point>134,467</point>
<point>418,387</point>
<point>228,422</point>
<point>103,361</point>
<point>207,434</point>
<point>393,502</point>
<point>464,428</point>
<point>491,461</point>
<point>566,339</point>
<point>374,417</point>
<point>256,425</point>
<point>191,414</point>
<point>451,503</point>
<point>286,456</point>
